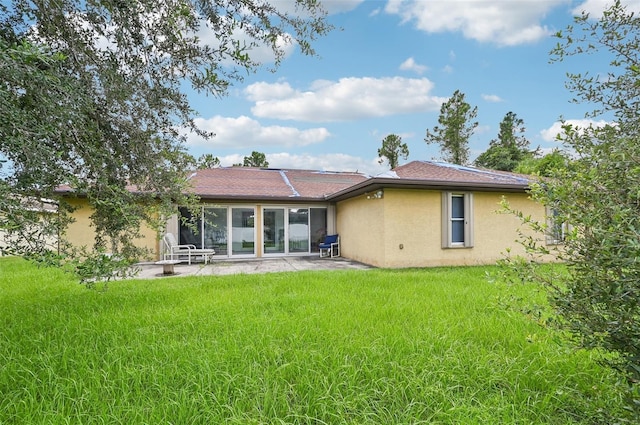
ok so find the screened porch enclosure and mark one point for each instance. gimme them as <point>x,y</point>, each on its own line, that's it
<point>253,230</point>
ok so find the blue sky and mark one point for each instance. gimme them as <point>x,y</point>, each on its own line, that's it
<point>386,69</point>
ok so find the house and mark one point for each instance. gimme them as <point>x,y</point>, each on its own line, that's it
<point>36,215</point>
<point>419,214</point>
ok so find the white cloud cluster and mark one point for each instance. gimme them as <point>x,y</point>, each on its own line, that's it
<point>595,7</point>
<point>492,98</point>
<point>245,132</point>
<point>339,6</point>
<point>259,52</point>
<point>262,53</point>
<point>327,162</point>
<point>505,23</point>
<point>411,65</point>
<point>344,100</point>
<point>550,134</point>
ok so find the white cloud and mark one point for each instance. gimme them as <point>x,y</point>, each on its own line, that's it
<point>346,99</point>
<point>244,132</point>
<point>596,7</point>
<point>339,6</point>
<point>259,91</point>
<point>482,129</point>
<point>493,98</point>
<point>327,162</point>
<point>262,53</point>
<point>379,135</point>
<point>505,23</point>
<point>411,65</point>
<point>550,134</point>
<point>259,52</point>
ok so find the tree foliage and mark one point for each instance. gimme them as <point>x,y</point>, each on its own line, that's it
<point>92,99</point>
<point>207,161</point>
<point>546,165</point>
<point>509,149</point>
<point>597,199</point>
<point>392,150</point>
<point>256,159</point>
<point>455,129</point>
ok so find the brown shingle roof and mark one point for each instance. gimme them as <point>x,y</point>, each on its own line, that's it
<point>309,185</point>
<point>439,171</point>
<point>439,176</point>
<point>268,183</point>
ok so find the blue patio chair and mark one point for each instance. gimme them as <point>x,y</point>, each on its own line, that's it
<point>330,247</point>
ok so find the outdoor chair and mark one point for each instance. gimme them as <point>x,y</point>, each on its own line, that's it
<point>173,250</point>
<point>330,247</point>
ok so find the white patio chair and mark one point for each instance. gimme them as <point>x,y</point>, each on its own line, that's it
<point>174,251</point>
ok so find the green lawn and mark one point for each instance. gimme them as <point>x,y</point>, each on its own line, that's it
<point>359,347</point>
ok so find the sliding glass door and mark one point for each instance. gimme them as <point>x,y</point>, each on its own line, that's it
<point>233,230</point>
<point>215,230</point>
<point>273,231</point>
<point>298,230</point>
<point>243,231</point>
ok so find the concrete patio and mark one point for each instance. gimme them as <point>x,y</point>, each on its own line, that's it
<point>249,266</point>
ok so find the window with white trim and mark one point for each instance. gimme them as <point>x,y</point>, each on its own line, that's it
<point>457,220</point>
<point>556,230</point>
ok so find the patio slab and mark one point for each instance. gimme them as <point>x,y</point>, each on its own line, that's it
<point>250,266</point>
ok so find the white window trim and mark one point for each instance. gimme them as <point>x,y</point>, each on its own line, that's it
<point>551,236</point>
<point>447,220</point>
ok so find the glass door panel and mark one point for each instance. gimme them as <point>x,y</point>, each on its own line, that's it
<point>318,223</point>
<point>190,225</point>
<point>242,231</point>
<point>273,230</point>
<point>298,230</point>
<point>215,230</point>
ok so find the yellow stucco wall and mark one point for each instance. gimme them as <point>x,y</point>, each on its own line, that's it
<point>359,224</point>
<point>81,232</point>
<point>403,229</point>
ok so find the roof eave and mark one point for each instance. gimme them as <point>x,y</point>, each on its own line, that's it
<point>381,183</point>
<point>252,198</point>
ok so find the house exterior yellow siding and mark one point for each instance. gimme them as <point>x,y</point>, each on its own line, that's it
<point>81,232</point>
<point>360,224</point>
<point>404,228</point>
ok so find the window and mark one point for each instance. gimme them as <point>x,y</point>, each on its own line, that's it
<point>556,229</point>
<point>190,226</point>
<point>457,220</point>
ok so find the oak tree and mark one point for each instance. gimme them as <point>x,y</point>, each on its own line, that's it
<point>92,100</point>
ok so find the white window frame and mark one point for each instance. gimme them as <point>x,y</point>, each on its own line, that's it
<point>555,233</point>
<point>447,220</point>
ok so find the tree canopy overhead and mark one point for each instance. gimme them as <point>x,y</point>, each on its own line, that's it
<point>92,94</point>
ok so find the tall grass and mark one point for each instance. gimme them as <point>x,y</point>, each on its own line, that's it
<point>357,347</point>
